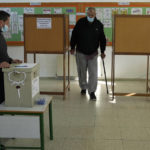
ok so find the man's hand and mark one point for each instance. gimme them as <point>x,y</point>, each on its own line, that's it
<point>4,65</point>
<point>103,55</point>
<point>72,51</point>
<point>17,61</point>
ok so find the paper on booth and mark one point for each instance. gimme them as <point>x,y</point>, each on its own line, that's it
<point>44,23</point>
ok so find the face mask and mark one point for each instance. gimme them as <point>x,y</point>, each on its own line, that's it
<point>5,28</point>
<point>90,19</point>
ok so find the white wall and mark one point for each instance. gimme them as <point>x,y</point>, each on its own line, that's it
<point>126,66</point>
<point>48,63</point>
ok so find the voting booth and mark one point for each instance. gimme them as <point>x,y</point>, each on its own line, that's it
<point>21,83</point>
<point>48,34</point>
<point>131,37</point>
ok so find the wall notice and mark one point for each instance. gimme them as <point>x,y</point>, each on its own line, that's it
<point>44,23</point>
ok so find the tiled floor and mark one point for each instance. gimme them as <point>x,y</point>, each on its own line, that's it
<point>81,124</point>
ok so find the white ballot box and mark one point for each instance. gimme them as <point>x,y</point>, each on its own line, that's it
<point>21,83</point>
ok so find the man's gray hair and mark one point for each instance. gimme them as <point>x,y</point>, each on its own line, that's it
<point>91,8</point>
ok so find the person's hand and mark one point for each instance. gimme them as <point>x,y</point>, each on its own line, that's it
<point>72,51</point>
<point>103,55</point>
<point>4,65</point>
<point>17,61</point>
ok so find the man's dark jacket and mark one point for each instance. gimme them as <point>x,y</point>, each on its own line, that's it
<point>86,36</point>
<point>3,57</point>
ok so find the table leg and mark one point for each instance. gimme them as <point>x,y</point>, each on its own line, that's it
<point>42,131</point>
<point>50,121</point>
<point>2,147</point>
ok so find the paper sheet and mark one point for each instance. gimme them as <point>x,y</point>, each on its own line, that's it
<point>44,23</point>
<point>14,17</point>
<point>29,10</point>
<point>107,23</point>
<point>69,10</point>
<point>72,19</point>
<point>148,11</point>
<point>35,86</point>
<point>7,35</point>
<point>136,11</point>
<point>8,10</point>
<point>22,36</point>
<point>99,13</point>
<point>57,10</point>
<point>20,22</point>
<point>124,11</point>
<point>107,13</point>
<point>47,11</point>
<point>115,11</point>
<point>14,28</point>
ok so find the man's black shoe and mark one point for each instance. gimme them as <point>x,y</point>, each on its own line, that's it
<point>92,96</point>
<point>83,92</point>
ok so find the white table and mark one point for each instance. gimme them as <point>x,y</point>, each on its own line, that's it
<point>37,110</point>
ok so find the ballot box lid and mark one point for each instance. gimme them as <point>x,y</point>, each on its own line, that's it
<point>24,67</point>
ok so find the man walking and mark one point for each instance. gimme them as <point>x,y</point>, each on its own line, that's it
<point>87,36</point>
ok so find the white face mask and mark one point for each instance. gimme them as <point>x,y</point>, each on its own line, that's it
<point>90,19</point>
<point>5,28</point>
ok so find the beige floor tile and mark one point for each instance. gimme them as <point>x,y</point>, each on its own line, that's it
<point>105,145</point>
<point>107,133</point>
<point>74,132</point>
<point>56,144</point>
<point>106,121</point>
<point>106,112</point>
<point>74,144</point>
<point>81,124</point>
<point>130,122</point>
<point>136,145</point>
<point>135,134</point>
<point>84,121</point>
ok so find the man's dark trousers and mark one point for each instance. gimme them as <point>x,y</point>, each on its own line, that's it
<point>2,94</point>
